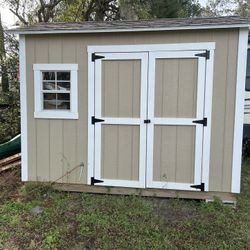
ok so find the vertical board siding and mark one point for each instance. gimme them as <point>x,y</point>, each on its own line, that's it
<point>42,49</point>
<point>42,126</point>
<point>120,152</point>
<point>56,126</point>
<point>187,88</point>
<point>223,110</point>
<point>229,106</point>
<point>81,124</point>
<point>121,88</point>
<point>185,147</point>
<point>69,52</point>
<point>176,88</point>
<point>174,154</point>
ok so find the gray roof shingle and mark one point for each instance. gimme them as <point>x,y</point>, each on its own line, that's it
<point>141,25</point>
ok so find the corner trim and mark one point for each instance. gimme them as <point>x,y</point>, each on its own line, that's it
<point>239,109</point>
<point>23,104</point>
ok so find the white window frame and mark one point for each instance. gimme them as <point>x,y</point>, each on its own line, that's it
<point>55,114</point>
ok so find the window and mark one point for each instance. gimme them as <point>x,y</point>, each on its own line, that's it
<point>55,91</point>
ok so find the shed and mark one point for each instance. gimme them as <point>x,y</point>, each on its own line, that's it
<point>145,107</point>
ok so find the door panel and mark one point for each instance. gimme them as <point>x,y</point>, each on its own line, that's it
<point>121,85</point>
<point>174,153</point>
<point>120,152</point>
<point>175,87</point>
<point>120,101</point>
<point>174,142</point>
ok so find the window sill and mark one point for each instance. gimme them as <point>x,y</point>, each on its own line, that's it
<point>56,115</point>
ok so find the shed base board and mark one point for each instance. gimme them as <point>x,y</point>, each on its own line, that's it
<point>162,193</point>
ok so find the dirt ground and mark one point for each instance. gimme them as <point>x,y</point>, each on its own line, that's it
<point>10,182</point>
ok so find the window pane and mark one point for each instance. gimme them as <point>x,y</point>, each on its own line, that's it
<point>49,101</point>
<point>63,105</point>
<point>248,84</point>
<point>63,85</point>
<point>49,75</point>
<point>49,85</point>
<point>63,101</point>
<point>248,62</point>
<point>63,75</point>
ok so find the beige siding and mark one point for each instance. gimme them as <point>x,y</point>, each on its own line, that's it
<point>73,49</point>
<point>120,152</point>
<point>175,88</point>
<point>121,86</point>
<point>174,153</point>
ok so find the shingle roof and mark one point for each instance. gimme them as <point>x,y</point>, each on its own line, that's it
<point>141,25</point>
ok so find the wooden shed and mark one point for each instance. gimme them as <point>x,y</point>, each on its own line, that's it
<point>144,107</point>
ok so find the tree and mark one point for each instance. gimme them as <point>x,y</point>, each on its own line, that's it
<point>243,8</point>
<point>9,96</point>
<point>89,10</point>
<point>28,11</point>
<point>3,68</point>
<point>135,9</point>
<point>175,8</point>
<point>227,8</point>
<point>106,10</point>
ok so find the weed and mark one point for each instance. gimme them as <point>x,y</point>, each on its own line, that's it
<point>52,239</point>
<point>122,222</point>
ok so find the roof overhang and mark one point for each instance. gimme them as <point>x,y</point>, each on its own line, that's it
<point>23,31</point>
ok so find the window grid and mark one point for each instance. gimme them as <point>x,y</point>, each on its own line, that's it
<point>56,91</point>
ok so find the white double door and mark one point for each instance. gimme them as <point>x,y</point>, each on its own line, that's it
<point>148,115</point>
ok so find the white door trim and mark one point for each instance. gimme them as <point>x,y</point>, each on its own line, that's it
<point>176,121</point>
<point>207,113</point>
<point>239,109</point>
<point>143,57</point>
<point>91,112</point>
<point>147,48</point>
<point>151,47</point>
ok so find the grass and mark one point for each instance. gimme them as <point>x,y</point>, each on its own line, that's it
<point>86,221</point>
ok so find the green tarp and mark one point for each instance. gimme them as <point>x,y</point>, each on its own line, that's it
<point>10,147</point>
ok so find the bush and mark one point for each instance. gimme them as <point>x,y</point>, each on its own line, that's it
<point>9,113</point>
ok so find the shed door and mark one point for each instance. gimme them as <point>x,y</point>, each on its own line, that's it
<point>121,102</point>
<point>175,102</point>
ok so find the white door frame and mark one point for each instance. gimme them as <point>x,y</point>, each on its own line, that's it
<point>176,121</point>
<point>150,48</point>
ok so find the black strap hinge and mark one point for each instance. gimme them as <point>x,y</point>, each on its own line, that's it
<point>203,122</point>
<point>147,121</point>
<point>205,54</point>
<point>201,186</point>
<point>95,57</point>
<point>95,120</point>
<point>93,181</point>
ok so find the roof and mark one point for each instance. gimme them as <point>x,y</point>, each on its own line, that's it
<point>141,25</point>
